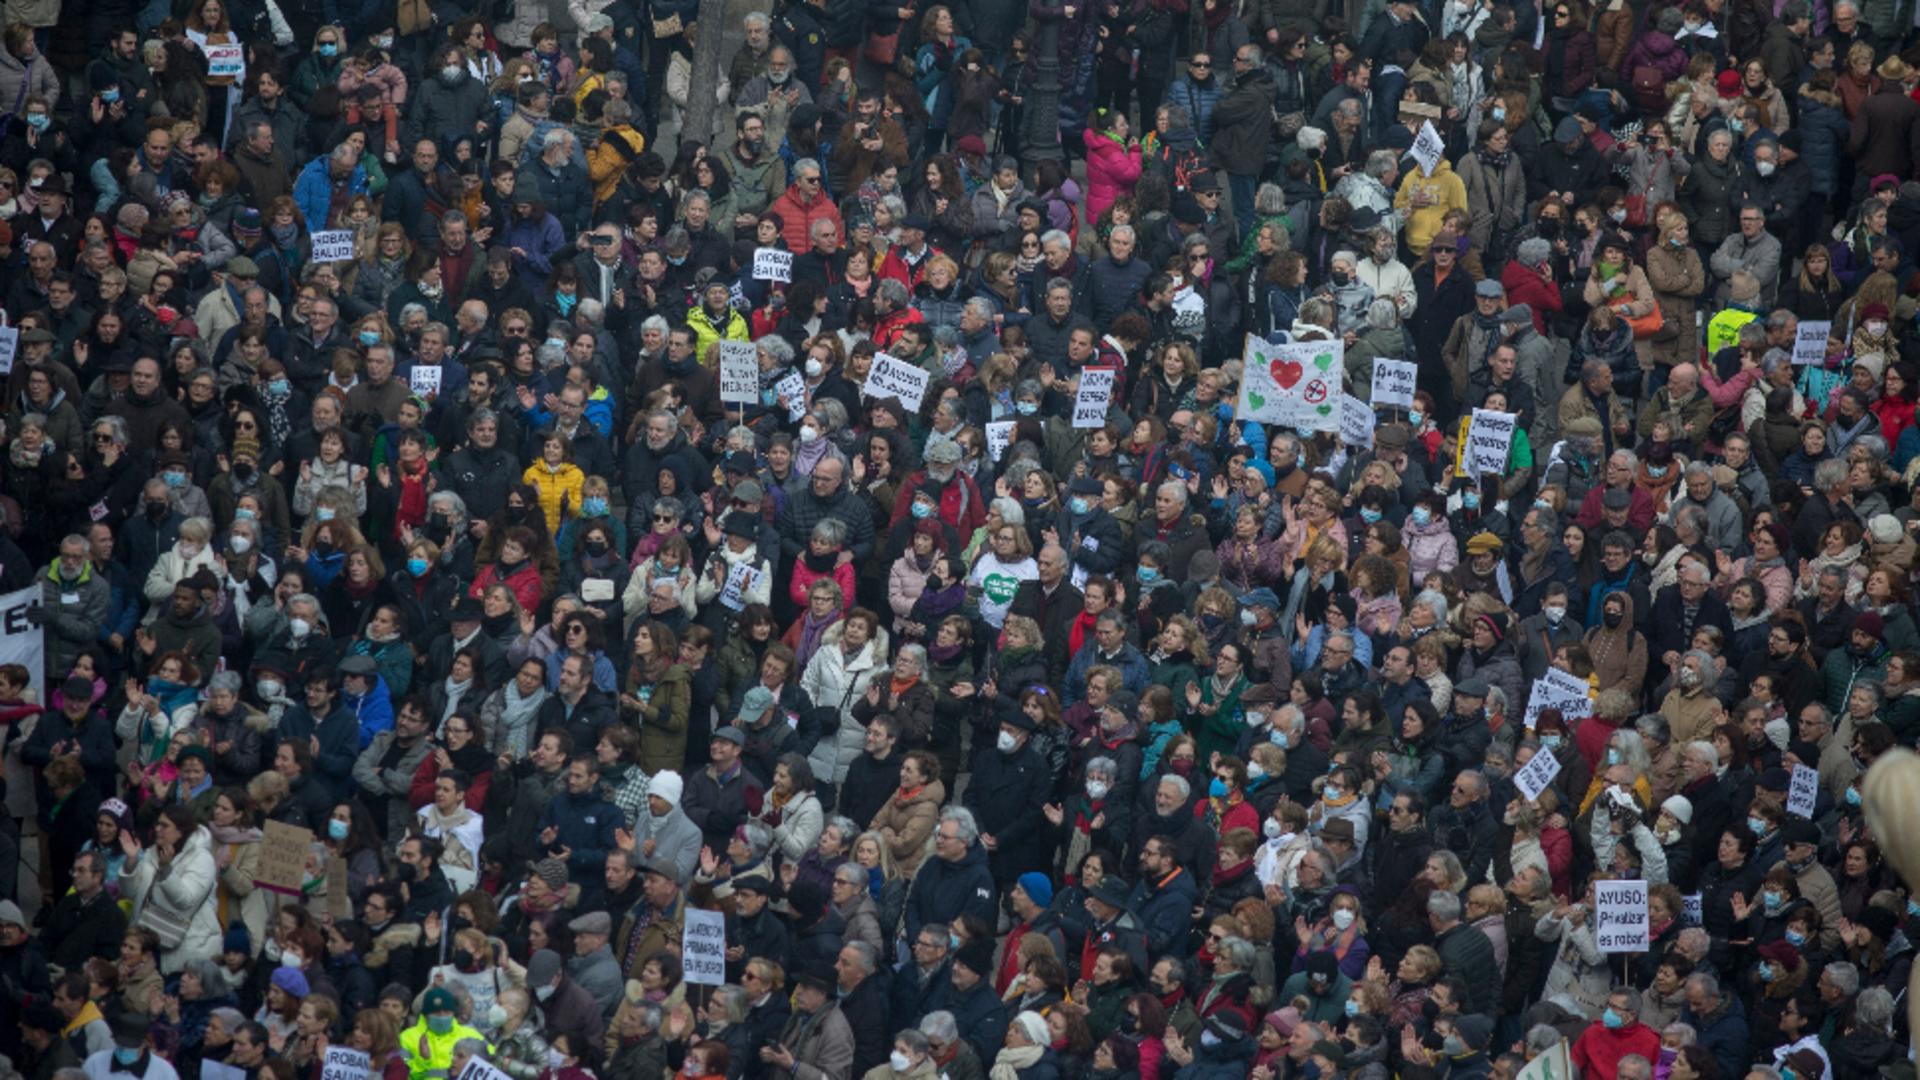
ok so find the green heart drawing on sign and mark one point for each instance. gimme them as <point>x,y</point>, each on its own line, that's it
<point>1258,401</point>
<point>1323,361</point>
<point>1325,410</point>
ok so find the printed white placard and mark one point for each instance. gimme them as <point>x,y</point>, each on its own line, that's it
<point>333,245</point>
<point>1620,923</point>
<point>896,378</point>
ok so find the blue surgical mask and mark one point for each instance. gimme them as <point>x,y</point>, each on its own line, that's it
<point>439,1025</point>
<point>245,513</point>
<point>324,513</point>
<point>110,95</point>
<point>369,338</point>
<point>1420,516</point>
<point>126,1055</point>
<point>417,567</point>
<point>1613,1019</point>
<point>1416,417</point>
<point>1026,408</point>
<point>1765,971</point>
<point>1499,114</point>
<point>1551,742</point>
<point>1470,500</point>
<point>1079,505</point>
<point>1613,756</point>
<point>1913,907</point>
<point>1796,939</point>
<point>1279,739</point>
<point>1369,516</point>
<point>1657,471</point>
<point>175,480</point>
<point>279,387</point>
<point>1771,900</point>
<point>329,49</point>
<point>1758,826</point>
<point>594,506</point>
<point>337,829</point>
<point>38,121</point>
<point>1148,575</point>
<point>921,510</point>
<point>1353,1008</point>
<point>1853,796</point>
<point>1217,788</point>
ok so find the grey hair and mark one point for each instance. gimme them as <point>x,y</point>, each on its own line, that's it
<point>1709,667</point>
<point>913,654</point>
<point>913,1040</point>
<point>805,163</point>
<point>830,531</point>
<point>1433,601</point>
<point>473,1048</point>
<point>1684,1034</point>
<point>1238,951</point>
<point>1845,976</point>
<point>1541,1038</point>
<point>1705,749</point>
<point>1010,511</point>
<point>842,824</point>
<point>1055,238</point>
<point>869,956</point>
<point>757,836</point>
<point>1874,1009</point>
<point>1174,487</point>
<point>1708,984</point>
<point>732,1001</point>
<point>665,505</point>
<point>659,326</point>
<point>1697,468</point>
<point>983,307</point>
<point>1830,474</point>
<point>1059,283</point>
<point>1269,200</point>
<point>850,872</point>
<point>649,1013</point>
<point>1632,996</point>
<point>963,821</point>
<point>939,1024</point>
<point>450,502</point>
<point>1654,727</point>
<point>1179,784</point>
<point>1118,230</point>
<point>1383,314</point>
<point>227,1015</point>
<point>213,978</point>
<point>1345,255</point>
<point>1444,906</point>
<point>894,290</point>
<point>1101,765</point>
<point>757,18</point>
<point>777,348</point>
<point>556,137</point>
<point>116,426</point>
<point>1382,162</point>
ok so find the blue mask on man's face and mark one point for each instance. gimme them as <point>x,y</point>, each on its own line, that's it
<point>126,1055</point>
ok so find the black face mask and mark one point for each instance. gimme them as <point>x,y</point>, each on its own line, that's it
<point>243,471</point>
<point>156,511</point>
<point>596,548</point>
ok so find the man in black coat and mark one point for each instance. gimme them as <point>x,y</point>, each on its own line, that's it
<point>862,982</point>
<point>874,776</point>
<point>1008,783</point>
<point>720,796</point>
<point>86,922</point>
<point>1679,610</point>
<point>1054,603</point>
<point>919,983</point>
<point>1465,825</point>
<point>1400,852</point>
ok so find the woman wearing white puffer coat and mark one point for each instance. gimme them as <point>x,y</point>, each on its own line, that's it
<point>172,888</point>
<point>852,653</point>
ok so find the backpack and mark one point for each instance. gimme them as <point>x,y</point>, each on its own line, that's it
<point>1182,166</point>
<point>1649,89</point>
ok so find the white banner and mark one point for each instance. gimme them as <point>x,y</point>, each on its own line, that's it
<point>425,380</point>
<point>226,61</point>
<point>742,578</point>
<point>333,245</point>
<point>1093,399</point>
<point>1489,441</point>
<point>772,264</point>
<point>1803,791</point>
<point>1294,385</point>
<point>889,377</point>
<point>1394,382</point>
<point>703,947</point>
<point>739,373</point>
<point>1555,1064</point>
<point>1428,147</point>
<point>999,437</point>
<point>344,1063</point>
<point>21,642</point>
<point>1810,342</point>
<point>476,1069</point>
<point>1620,922</point>
<point>1536,774</point>
<point>1558,690</point>
<point>1356,421</point>
<point>794,388</point>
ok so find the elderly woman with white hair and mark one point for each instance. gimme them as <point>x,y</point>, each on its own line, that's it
<point>1351,297</point>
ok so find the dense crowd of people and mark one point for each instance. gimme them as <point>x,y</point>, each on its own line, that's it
<point>382,446</point>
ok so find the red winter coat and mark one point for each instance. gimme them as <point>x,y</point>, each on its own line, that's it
<point>961,504</point>
<point>1525,286</point>
<point>525,583</point>
<point>798,213</point>
<point>1112,170</point>
<point>1598,1051</point>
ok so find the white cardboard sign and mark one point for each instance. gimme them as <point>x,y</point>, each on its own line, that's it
<point>739,373</point>
<point>1394,382</point>
<point>1356,421</point>
<point>1094,398</point>
<point>333,245</point>
<point>425,379</point>
<point>1536,774</point>
<point>345,1063</point>
<point>1803,791</point>
<point>896,378</point>
<point>1428,147</point>
<point>772,264</point>
<point>741,579</point>
<point>1810,342</point>
<point>1295,385</point>
<point>703,947</point>
<point>999,437</point>
<point>795,389</point>
<point>1558,690</point>
<point>1489,441</point>
<point>1620,923</point>
<point>226,61</point>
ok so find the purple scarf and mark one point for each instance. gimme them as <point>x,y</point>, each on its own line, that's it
<point>811,630</point>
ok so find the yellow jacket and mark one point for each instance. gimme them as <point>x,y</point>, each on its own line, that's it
<point>1444,191</point>
<point>439,1048</point>
<point>607,161</point>
<point>558,485</point>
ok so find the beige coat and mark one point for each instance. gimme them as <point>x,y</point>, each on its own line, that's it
<point>908,826</point>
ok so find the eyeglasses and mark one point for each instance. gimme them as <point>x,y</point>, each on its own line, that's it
<point>667,518</point>
<point>102,438</point>
<point>1200,64</point>
<point>809,179</point>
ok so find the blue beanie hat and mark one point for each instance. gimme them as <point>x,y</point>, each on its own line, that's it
<point>237,939</point>
<point>1038,886</point>
<point>291,981</point>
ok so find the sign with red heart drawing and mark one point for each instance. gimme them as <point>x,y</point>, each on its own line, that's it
<point>1296,385</point>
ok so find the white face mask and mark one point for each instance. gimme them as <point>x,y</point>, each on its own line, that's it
<point>1342,918</point>
<point>1096,790</point>
<point>299,627</point>
<point>292,958</point>
<point>1271,828</point>
<point>1764,168</point>
<point>1876,327</point>
<point>1005,742</point>
<point>814,368</point>
<point>556,1059</point>
<point>240,545</point>
<point>900,1062</point>
<point>809,434</point>
<point>544,992</point>
<point>1554,613</point>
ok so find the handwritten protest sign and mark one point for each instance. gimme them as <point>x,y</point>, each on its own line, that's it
<point>9,347</point>
<point>1810,342</point>
<point>1489,441</point>
<point>425,379</point>
<point>739,373</point>
<point>1356,421</point>
<point>227,61</point>
<point>1294,385</point>
<point>792,387</point>
<point>1428,147</point>
<point>1536,774</point>
<point>1803,791</point>
<point>896,378</point>
<point>344,1063</point>
<point>1620,922</point>
<point>742,578</point>
<point>283,858</point>
<point>772,264</point>
<point>1558,690</point>
<point>1093,399</point>
<point>333,245</point>
<point>703,947</point>
<point>999,437</point>
<point>1394,383</point>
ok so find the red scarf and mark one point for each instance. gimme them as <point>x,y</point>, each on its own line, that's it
<point>1081,631</point>
<point>413,496</point>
